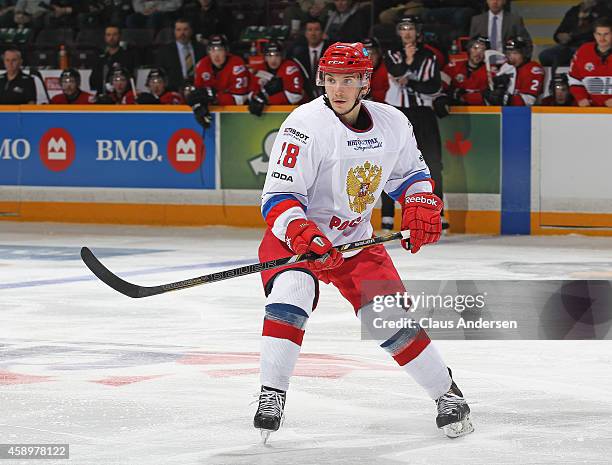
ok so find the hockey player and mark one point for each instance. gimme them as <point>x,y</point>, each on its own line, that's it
<point>224,75</point>
<point>560,95</point>
<point>70,81</point>
<point>379,84</point>
<point>330,162</point>
<point>524,78</point>
<point>157,82</point>
<point>590,74</point>
<point>277,81</point>
<point>121,92</point>
<point>465,81</point>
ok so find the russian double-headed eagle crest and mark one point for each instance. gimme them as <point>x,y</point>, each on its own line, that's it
<point>361,182</point>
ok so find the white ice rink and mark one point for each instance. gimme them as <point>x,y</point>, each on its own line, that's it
<point>169,379</point>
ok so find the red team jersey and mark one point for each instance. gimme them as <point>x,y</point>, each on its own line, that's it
<point>457,75</point>
<point>84,98</point>
<point>529,84</point>
<point>293,82</point>
<point>590,75</point>
<point>379,84</point>
<point>231,81</point>
<point>171,98</point>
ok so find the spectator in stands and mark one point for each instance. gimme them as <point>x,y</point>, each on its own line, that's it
<point>70,81</point>
<point>298,13</point>
<point>393,14</point>
<point>223,76</point>
<point>457,13</point>
<point>278,81</point>
<point>114,55</point>
<point>179,57</point>
<point>560,95</point>
<point>347,22</point>
<point>306,54</point>
<point>7,9</point>
<point>35,11</point>
<point>16,87</point>
<point>590,74</point>
<point>157,83</point>
<point>466,81</point>
<point>519,82</point>
<point>121,92</point>
<point>575,29</point>
<point>208,17</point>
<point>498,25</point>
<point>379,82</point>
<point>63,13</point>
<point>153,14</point>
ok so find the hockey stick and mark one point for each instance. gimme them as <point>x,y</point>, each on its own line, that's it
<point>488,55</point>
<point>135,291</point>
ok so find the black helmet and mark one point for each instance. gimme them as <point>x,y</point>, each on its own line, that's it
<point>71,73</point>
<point>371,42</point>
<point>410,20</point>
<point>118,71</point>
<point>218,40</point>
<point>519,44</point>
<point>559,79</point>
<point>479,39</point>
<point>157,73</point>
<point>273,47</point>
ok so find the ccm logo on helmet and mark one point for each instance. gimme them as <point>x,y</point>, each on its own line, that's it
<point>336,62</point>
<point>422,200</point>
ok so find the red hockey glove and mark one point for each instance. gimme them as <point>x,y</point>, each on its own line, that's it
<point>421,215</point>
<point>304,236</point>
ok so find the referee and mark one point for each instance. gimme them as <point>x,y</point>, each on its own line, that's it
<point>414,78</point>
<point>16,88</point>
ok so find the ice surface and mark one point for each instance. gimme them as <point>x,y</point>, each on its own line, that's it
<point>168,379</point>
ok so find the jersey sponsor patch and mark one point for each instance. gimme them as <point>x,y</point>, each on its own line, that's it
<point>460,78</point>
<point>291,70</point>
<point>206,76</point>
<point>238,69</point>
<point>364,144</point>
<point>589,66</point>
<point>537,70</point>
<point>297,135</point>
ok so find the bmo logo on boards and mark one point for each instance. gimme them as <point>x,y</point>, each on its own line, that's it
<point>57,149</point>
<point>186,151</point>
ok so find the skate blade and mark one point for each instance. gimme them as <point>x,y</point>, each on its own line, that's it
<point>459,428</point>
<point>265,435</point>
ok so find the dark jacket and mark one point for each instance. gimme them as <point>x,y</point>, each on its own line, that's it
<point>168,58</point>
<point>299,54</point>
<point>353,29</point>
<point>581,33</point>
<point>105,62</point>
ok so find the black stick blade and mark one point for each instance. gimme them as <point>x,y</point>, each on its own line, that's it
<point>109,278</point>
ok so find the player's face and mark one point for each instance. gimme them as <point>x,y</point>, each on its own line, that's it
<point>273,60</point>
<point>603,37</point>
<point>112,36</point>
<point>408,33</point>
<point>217,56</point>
<point>157,86</point>
<point>120,84</point>
<point>182,32</point>
<point>12,61</point>
<point>69,85</point>
<point>342,90</point>
<point>495,5</point>
<point>477,53</point>
<point>515,58</point>
<point>561,93</point>
<point>313,34</point>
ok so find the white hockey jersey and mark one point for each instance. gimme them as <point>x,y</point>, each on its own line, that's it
<point>332,174</point>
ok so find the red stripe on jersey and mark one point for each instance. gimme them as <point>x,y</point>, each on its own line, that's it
<point>413,349</point>
<point>279,330</point>
<point>279,209</point>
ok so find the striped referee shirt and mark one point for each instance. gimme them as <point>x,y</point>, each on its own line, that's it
<point>423,78</point>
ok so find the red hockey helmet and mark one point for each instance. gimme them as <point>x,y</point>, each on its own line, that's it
<point>345,58</point>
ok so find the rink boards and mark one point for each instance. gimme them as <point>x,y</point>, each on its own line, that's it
<point>506,170</point>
